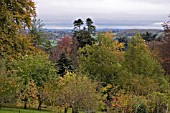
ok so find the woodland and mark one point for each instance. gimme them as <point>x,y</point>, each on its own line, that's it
<point>81,73</point>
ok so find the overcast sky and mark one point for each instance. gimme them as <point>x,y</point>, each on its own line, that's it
<point>136,12</point>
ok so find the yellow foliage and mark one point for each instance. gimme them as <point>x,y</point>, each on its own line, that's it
<point>116,47</point>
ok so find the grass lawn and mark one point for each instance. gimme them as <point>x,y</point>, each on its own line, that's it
<point>15,110</point>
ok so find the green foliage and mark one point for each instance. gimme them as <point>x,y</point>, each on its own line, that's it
<point>90,28</point>
<point>8,89</point>
<point>139,104</point>
<point>77,24</point>
<point>39,36</point>
<point>36,68</point>
<point>141,109</point>
<point>16,46</point>
<point>158,102</point>
<point>15,15</point>
<point>98,62</point>
<point>83,36</point>
<point>79,92</point>
<point>64,64</point>
<point>138,59</point>
<point>8,85</point>
<point>147,91</point>
<point>148,36</point>
<point>138,75</point>
<point>138,84</point>
<point>101,62</point>
<point>27,94</point>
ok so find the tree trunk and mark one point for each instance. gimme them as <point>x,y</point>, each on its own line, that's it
<point>40,105</point>
<point>157,107</point>
<point>167,108</point>
<point>65,110</point>
<point>58,110</point>
<point>74,51</point>
<point>25,104</point>
<point>40,101</point>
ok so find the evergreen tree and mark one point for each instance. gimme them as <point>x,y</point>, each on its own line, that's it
<point>64,64</point>
<point>148,36</point>
<point>39,37</point>
<point>90,28</point>
<point>77,24</point>
<point>83,36</point>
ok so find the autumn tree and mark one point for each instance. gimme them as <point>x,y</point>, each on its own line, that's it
<point>27,94</point>
<point>14,17</point>
<point>142,74</point>
<point>37,70</point>
<point>63,46</point>
<point>81,37</point>
<point>164,48</point>
<point>139,60</point>
<point>160,46</point>
<point>77,91</point>
<point>101,62</point>
<point>123,39</point>
<point>61,55</point>
<point>98,62</point>
<point>8,85</point>
<point>74,50</point>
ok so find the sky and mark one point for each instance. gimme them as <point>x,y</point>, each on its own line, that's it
<point>104,13</point>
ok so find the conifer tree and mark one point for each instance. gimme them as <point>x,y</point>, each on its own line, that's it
<point>64,64</point>
<point>139,60</point>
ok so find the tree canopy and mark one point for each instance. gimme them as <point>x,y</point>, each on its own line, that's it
<point>139,60</point>
<point>14,17</point>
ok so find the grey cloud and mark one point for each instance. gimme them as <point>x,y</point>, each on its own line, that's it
<point>125,11</point>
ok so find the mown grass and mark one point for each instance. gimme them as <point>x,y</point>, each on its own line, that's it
<point>16,110</point>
